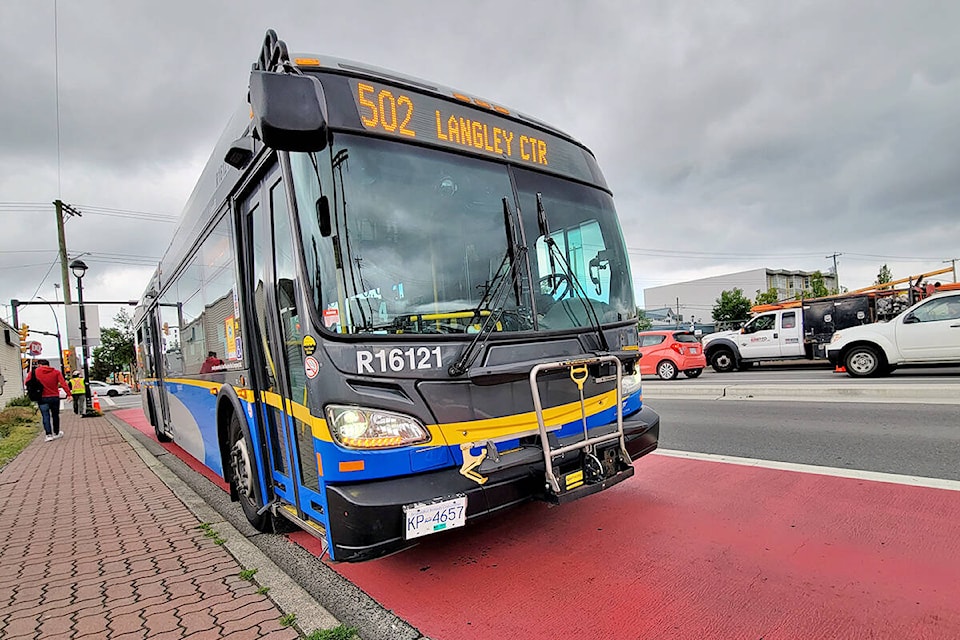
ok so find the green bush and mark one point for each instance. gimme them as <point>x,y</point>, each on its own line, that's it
<point>14,416</point>
<point>22,401</point>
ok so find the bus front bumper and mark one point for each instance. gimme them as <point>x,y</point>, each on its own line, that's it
<point>367,519</point>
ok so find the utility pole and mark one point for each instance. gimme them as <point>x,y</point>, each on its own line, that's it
<point>61,207</point>
<point>953,263</point>
<point>836,274</point>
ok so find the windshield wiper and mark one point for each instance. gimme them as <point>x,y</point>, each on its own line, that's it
<point>494,296</point>
<point>555,256</point>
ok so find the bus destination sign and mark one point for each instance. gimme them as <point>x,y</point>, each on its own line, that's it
<point>410,115</point>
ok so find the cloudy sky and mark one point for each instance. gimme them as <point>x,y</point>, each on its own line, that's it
<point>734,135</point>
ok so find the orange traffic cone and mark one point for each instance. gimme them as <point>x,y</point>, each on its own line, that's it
<point>840,369</point>
<point>96,402</point>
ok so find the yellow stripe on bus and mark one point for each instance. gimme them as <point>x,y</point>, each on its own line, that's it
<point>452,433</point>
<point>507,427</point>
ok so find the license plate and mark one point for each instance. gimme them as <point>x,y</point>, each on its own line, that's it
<point>424,518</point>
<point>693,350</point>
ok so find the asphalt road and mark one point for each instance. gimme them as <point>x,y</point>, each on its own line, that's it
<point>788,372</point>
<point>914,439</point>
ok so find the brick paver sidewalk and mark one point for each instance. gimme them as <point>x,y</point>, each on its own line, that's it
<point>94,545</point>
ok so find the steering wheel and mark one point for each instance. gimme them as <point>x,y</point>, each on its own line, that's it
<point>550,284</point>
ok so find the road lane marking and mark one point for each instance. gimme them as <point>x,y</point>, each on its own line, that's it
<point>857,474</point>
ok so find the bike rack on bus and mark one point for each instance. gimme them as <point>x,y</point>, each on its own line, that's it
<point>579,372</point>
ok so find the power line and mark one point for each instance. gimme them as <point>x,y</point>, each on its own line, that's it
<point>712,254</point>
<point>25,266</point>
<point>44,279</point>
<point>28,207</point>
<point>115,210</point>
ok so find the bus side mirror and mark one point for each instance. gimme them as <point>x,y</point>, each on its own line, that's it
<point>289,111</point>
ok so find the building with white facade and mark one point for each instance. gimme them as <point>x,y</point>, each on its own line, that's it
<point>694,300</point>
<point>11,382</point>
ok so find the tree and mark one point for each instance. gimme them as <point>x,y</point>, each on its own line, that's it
<point>817,287</point>
<point>116,351</point>
<point>768,297</point>
<point>884,276</point>
<point>731,308</point>
<point>643,322</point>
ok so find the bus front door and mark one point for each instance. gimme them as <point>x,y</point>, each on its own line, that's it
<point>281,375</point>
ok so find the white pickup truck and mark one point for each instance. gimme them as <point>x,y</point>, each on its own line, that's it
<point>800,331</point>
<point>923,334</point>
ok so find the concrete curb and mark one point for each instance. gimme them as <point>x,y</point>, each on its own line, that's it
<point>289,596</point>
<point>821,392</point>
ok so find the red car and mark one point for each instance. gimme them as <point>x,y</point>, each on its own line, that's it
<point>667,352</point>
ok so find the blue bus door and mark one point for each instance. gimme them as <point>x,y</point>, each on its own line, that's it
<point>282,377</point>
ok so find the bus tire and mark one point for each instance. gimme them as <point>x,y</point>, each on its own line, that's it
<point>244,479</point>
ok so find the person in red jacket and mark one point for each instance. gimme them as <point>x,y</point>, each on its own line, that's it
<point>52,381</point>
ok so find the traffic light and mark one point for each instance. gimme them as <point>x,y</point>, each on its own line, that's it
<point>24,332</point>
<point>68,361</point>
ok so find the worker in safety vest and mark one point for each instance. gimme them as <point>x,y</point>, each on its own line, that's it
<point>78,389</point>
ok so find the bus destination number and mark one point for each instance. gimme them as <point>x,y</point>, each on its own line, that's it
<point>385,111</point>
<point>397,360</point>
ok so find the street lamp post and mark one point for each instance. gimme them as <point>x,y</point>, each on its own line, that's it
<point>79,268</point>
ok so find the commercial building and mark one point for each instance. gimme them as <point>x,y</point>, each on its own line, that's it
<point>693,301</point>
<point>11,382</point>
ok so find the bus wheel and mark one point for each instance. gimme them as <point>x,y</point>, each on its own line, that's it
<point>243,477</point>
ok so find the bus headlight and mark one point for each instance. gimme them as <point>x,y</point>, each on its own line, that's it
<point>360,428</point>
<point>629,384</point>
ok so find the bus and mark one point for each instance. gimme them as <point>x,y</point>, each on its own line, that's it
<point>391,308</point>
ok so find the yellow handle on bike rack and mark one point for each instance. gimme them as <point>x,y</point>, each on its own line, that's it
<point>579,375</point>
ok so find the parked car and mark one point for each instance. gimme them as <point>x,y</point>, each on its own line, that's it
<point>664,353</point>
<point>112,390</point>
<point>924,334</point>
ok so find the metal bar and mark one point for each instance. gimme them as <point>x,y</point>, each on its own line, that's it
<point>548,453</point>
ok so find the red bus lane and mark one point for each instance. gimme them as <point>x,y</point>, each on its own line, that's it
<point>689,549</point>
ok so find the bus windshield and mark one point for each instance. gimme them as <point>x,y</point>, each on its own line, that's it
<point>420,243</point>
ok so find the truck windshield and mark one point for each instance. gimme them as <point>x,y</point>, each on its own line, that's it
<point>418,243</point>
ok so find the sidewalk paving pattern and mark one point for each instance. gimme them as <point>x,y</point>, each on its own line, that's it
<point>94,545</point>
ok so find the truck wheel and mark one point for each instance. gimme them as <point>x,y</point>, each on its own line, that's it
<point>243,477</point>
<point>722,360</point>
<point>692,373</point>
<point>667,370</point>
<point>865,361</point>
